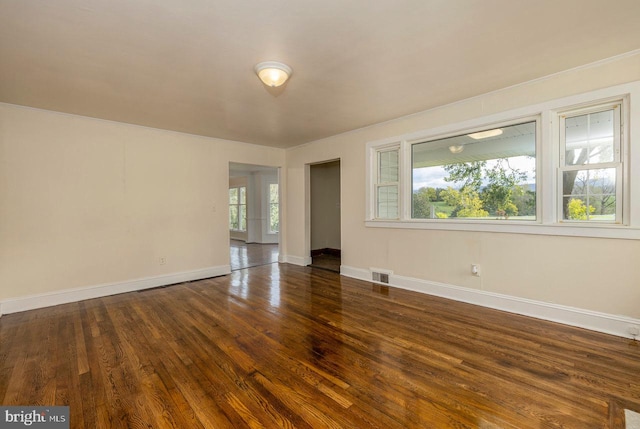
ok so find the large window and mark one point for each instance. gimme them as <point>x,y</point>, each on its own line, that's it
<point>238,208</point>
<point>562,167</point>
<point>590,164</point>
<point>487,174</point>
<point>274,209</point>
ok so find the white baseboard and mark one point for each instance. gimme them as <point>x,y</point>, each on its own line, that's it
<point>24,303</point>
<point>297,260</point>
<point>595,321</point>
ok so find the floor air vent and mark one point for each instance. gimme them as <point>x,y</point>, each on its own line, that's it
<point>380,277</point>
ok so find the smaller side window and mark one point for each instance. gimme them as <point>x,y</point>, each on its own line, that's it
<point>591,165</point>
<point>274,217</point>
<point>233,209</point>
<point>387,183</point>
<point>238,208</point>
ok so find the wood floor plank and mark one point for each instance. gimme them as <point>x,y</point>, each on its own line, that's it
<point>279,346</point>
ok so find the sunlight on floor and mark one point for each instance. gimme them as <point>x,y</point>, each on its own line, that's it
<point>632,419</point>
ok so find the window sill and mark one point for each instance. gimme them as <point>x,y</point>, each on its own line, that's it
<point>522,227</point>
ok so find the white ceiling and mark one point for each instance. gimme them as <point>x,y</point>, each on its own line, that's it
<point>187,65</point>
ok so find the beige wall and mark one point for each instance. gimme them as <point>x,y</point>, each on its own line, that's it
<point>589,273</point>
<point>85,202</point>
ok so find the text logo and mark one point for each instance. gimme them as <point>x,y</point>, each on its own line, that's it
<point>34,417</point>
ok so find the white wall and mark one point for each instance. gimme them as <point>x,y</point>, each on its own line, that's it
<point>86,202</point>
<point>260,216</point>
<point>599,275</point>
<point>325,205</point>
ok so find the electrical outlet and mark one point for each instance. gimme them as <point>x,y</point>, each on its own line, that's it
<point>475,270</point>
<point>162,261</point>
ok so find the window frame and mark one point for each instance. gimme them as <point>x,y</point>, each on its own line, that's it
<point>238,205</point>
<point>374,168</point>
<point>548,197</point>
<point>533,118</point>
<point>269,204</point>
<point>618,162</point>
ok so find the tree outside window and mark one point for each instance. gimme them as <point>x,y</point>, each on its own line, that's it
<point>274,209</point>
<point>552,168</point>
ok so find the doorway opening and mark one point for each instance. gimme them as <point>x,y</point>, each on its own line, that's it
<point>326,248</point>
<point>254,215</point>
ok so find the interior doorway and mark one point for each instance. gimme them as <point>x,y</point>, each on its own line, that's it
<point>254,215</point>
<point>325,215</point>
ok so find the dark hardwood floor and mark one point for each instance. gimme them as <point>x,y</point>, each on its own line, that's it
<point>327,262</point>
<point>285,346</point>
<point>246,255</point>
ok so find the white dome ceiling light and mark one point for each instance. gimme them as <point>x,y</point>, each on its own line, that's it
<point>273,73</point>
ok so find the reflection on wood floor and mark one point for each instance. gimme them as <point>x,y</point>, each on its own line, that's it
<point>326,262</point>
<point>282,346</point>
<point>245,255</point>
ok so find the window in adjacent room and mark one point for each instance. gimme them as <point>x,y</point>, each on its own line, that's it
<point>274,209</point>
<point>238,208</point>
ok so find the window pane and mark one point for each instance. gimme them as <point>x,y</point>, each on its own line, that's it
<point>388,202</point>
<point>233,217</point>
<point>242,217</point>
<point>233,196</point>
<point>243,195</point>
<point>589,139</point>
<point>273,193</point>
<point>273,218</point>
<point>273,208</point>
<point>388,166</point>
<point>589,195</point>
<point>484,175</point>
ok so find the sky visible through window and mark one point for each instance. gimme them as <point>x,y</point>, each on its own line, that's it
<point>434,177</point>
<point>488,174</point>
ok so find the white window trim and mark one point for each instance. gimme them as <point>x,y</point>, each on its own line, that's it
<point>372,173</point>
<point>408,148</point>
<point>547,159</point>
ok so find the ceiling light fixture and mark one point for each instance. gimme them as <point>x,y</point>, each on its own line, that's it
<point>273,73</point>
<point>456,148</point>
<point>485,134</point>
